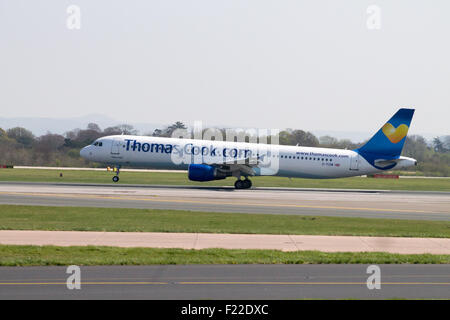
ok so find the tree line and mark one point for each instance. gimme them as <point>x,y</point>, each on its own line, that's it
<point>19,146</point>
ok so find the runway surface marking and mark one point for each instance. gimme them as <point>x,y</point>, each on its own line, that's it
<point>227,241</point>
<point>84,283</point>
<point>224,283</point>
<point>83,196</point>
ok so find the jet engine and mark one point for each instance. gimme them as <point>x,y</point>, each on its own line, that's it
<point>204,172</point>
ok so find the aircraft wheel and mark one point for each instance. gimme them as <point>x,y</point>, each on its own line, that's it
<point>243,184</point>
<point>247,183</point>
<point>239,184</point>
<point>115,178</point>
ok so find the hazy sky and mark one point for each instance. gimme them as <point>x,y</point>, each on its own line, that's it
<point>313,65</point>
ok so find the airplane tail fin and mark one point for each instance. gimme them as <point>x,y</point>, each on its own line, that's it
<point>389,140</point>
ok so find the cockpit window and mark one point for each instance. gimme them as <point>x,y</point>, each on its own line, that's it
<point>98,144</point>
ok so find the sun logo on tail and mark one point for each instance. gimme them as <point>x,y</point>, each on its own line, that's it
<point>395,135</point>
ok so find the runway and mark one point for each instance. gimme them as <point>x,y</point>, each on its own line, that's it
<point>231,281</point>
<point>227,282</point>
<point>344,203</point>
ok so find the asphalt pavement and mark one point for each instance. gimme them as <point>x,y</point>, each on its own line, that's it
<point>228,282</point>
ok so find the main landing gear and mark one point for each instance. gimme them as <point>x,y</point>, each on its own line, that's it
<point>116,177</point>
<point>243,184</point>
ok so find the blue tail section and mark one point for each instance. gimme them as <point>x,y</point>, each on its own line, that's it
<point>388,142</point>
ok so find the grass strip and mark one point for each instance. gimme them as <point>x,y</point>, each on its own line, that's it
<point>19,217</point>
<point>12,255</point>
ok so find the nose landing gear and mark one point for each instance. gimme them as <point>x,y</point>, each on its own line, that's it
<point>116,177</point>
<point>243,184</point>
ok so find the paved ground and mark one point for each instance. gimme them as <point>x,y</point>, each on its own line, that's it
<point>159,170</point>
<point>227,282</point>
<point>99,169</point>
<point>228,241</point>
<point>356,203</point>
<point>235,281</point>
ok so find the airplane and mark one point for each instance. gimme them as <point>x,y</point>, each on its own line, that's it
<point>207,160</point>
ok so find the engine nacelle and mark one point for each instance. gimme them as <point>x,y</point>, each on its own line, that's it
<point>204,172</point>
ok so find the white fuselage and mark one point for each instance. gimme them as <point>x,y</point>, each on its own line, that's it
<point>279,160</point>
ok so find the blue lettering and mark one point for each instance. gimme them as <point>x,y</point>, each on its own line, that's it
<point>188,148</point>
<point>145,147</point>
<point>128,143</point>
<point>195,150</point>
<point>136,145</point>
<point>169,148</point>
<point>177,149</point>
<point>159,147</point>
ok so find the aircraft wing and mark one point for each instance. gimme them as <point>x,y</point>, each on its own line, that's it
<point>238,167</point>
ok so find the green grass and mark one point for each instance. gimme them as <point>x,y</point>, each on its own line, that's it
<point>14,217</point>
<point>50,255</point>
<point>163,178</point>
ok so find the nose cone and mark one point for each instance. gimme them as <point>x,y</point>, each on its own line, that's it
<point>84,153</point>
